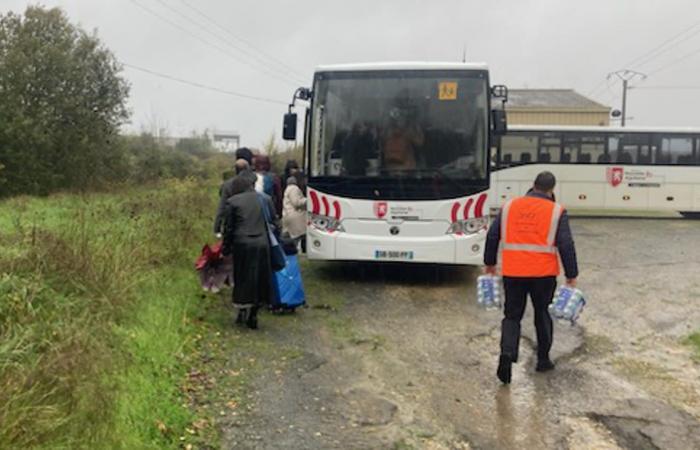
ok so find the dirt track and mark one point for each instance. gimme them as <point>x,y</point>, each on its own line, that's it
<point>407,360</point>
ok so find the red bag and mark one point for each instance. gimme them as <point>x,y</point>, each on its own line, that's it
<point>215,269</point>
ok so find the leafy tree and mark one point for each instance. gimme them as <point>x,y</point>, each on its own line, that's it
<point>62,102</point>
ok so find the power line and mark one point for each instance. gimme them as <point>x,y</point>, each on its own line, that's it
<point>206,42</point>
<point>648,60</point>
<point>204,86</point>
<point>674,88</point>
<point>264,64</point>
<point>674,62</point>
<point>653,53</point>
<point>597,87</point>
<point>240,39</point>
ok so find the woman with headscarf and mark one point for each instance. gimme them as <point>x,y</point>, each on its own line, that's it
<point>291,168</point>
<point>246,238</point>
<point>268,182</point>
<point>294,212</point>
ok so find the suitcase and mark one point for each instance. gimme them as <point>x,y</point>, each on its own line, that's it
<point>289,289</point>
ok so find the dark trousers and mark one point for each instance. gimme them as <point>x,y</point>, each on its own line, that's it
<point>541,290</point>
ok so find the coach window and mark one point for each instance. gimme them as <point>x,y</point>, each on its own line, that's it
<point>611,156</point>
<point>518,149</point>
<point>592,149</point>
<point>675,150</point>
<point>550,149</point>
<point>570,148</point>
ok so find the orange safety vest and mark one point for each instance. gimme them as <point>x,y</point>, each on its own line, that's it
<point>528,232</point>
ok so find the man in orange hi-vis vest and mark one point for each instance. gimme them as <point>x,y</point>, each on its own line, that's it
<point>532,230</point>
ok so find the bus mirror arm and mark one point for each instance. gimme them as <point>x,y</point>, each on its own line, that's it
<point>289,126</point>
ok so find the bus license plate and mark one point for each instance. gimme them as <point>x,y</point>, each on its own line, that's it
<point>393,254</point>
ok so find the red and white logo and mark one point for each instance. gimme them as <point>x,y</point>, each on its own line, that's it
<point>615,176</point>
<point>380,209</point>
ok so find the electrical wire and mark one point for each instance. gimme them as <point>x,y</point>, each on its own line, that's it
<point>240,39</point>
<point>652,54</point>
<point>203,86</point>
<point>670,88</point>
<point>206,42</point>
<point>674,62</point>
<point>262,62</point>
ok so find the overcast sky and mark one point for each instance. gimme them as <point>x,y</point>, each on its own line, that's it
<point>527,43</point>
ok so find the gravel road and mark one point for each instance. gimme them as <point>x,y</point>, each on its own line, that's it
<point>405,359</point>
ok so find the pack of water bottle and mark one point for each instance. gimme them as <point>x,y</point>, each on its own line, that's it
<point>567,304</point>
<point>489,291</point>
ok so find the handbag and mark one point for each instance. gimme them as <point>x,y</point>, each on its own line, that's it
<point>277,259</point>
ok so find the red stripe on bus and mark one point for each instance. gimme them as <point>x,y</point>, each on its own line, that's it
<point>315,206</point>
<point>466,208</point>
<point>455,209</point>
<point>336,208</point>
<point>479,208</point>
<point>326,207</point>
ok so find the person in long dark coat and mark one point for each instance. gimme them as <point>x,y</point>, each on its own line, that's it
<point>246,238</point>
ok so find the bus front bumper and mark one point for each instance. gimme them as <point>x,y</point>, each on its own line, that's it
<point>447,249</point>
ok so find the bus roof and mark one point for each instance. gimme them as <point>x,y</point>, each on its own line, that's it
<point>604,129</point>
<point>416,65</point>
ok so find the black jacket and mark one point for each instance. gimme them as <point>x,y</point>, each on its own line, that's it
<point>564,242</point>
<point>244,217</point>
<point>226,191</point>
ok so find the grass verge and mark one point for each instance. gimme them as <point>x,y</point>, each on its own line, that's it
<point>98,318</point>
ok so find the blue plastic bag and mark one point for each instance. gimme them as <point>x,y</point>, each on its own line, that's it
<point>288,284</point>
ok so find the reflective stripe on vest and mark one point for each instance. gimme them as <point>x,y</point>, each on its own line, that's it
<point>551,235</point>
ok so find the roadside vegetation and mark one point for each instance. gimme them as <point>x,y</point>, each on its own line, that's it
<point>106,340</point>
<point>98,316</point>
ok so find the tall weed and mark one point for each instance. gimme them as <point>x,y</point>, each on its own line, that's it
<point>72,268</point>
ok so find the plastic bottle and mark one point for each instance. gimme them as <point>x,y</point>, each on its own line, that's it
<point>567,304</point>
<point>489,292</point>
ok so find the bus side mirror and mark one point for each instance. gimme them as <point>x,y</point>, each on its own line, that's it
<point>500,122</point>
<point>289,128</point>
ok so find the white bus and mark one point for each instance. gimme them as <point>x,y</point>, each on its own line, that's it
<point>606,169</point>
<point>397,157</point>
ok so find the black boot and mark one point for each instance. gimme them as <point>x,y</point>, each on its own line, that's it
<point>544,365</point>
<point>252,321</point>
<point>504,369</point>
<point>242,316</point>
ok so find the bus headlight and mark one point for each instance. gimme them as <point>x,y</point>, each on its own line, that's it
<point>325,223</point>
<point>468,226</point>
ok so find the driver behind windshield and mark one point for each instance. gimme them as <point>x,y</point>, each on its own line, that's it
<point>401,139</point>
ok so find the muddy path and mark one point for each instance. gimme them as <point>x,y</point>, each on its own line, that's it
<point>401,357</point>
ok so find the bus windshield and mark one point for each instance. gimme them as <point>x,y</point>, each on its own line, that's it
<point>410,134</point>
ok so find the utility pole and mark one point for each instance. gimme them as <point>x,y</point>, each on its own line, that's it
<point>626,76</point>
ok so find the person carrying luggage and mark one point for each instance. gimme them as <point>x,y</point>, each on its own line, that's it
<point>532,229</point>
<point>246,237</point>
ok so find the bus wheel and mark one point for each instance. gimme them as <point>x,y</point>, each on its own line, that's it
<point>691,214</point>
